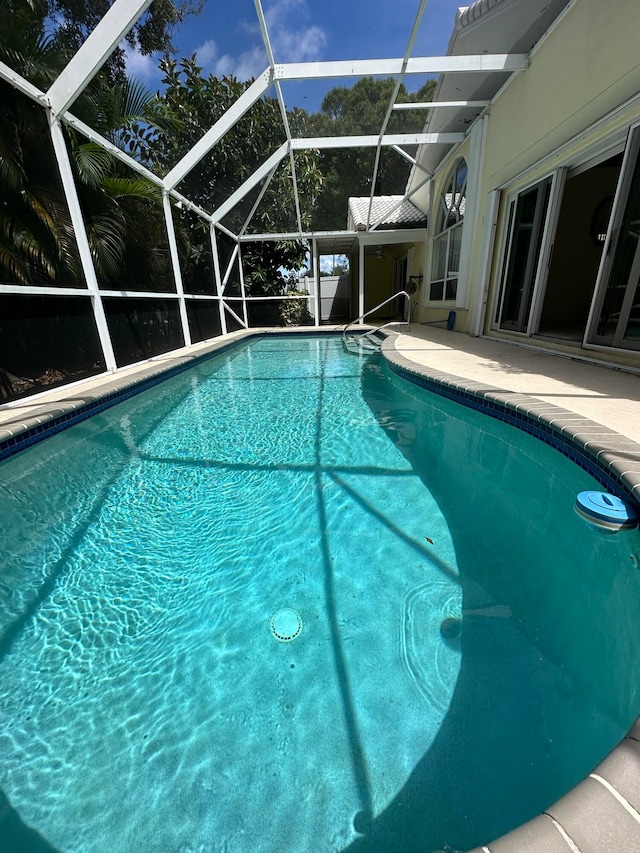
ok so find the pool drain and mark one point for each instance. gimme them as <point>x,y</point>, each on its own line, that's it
<point>285,625</point>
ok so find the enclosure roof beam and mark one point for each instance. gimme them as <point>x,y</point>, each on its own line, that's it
<point>293,235</point>
<point>22,85</point>
<point>93,53</point>
<point>411,160</point>
<point>389,112</point>
<point>186,202</point>
<point>235,112</point>
<point>390,67</point>
<point>283,113</point>
<point>388,235</point>
<point>121,155</point>
<point>432,105</point>
<point>372,141</point>
<point>252,181</point>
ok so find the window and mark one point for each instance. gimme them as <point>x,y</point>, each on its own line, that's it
<point>448,240</point>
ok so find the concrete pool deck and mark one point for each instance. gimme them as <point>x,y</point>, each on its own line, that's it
<point>607,396</point>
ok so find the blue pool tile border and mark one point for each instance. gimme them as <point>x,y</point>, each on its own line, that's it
<point>557,427</point>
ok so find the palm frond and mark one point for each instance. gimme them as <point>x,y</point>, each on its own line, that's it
<point>92,162</point>
<point>128,188</point>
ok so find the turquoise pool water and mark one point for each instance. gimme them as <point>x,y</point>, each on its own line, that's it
<point>145,704</point>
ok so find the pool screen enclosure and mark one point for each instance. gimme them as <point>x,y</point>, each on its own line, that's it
<point>230,303</point>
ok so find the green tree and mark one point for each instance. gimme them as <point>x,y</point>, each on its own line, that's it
<point>356,111</point>
<point>75,19</point>
<point>189,104</point>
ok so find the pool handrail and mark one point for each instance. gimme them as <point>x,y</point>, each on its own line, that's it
<point>371,332</point>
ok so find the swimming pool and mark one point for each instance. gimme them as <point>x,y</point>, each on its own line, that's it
<point>145,703</point>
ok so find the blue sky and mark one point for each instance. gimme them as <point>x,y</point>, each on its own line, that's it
<point>227,40</point>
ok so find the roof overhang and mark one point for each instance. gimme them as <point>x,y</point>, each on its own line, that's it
<point>346,242</point>
<point>487,26</point>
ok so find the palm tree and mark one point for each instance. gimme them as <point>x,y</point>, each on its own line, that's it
<point>37,243</point>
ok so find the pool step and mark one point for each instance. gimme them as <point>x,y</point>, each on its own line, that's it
<point>367,342</point>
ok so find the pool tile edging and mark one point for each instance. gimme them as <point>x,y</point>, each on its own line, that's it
<point>611,458</point>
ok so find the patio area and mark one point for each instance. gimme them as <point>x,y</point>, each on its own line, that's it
<point>607,396</point>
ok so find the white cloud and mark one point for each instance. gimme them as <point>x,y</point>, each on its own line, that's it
<point>249,64</point>
<point>143,68</point>
<point>206,53</point>
<point>290,44</point>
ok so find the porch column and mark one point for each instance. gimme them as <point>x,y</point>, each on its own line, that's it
<point>315,268</point>
<point>361,282</point>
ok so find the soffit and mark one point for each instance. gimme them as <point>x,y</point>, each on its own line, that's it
<point>487,26</point>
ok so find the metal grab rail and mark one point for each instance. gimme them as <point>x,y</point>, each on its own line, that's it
<point>370,333</point>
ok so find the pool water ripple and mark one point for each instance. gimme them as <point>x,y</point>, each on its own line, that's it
<point>145,704</point>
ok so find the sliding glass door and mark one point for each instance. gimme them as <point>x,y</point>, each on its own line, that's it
<point>528,222</point>
<point>616,318</point>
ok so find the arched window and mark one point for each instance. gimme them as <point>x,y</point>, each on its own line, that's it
<point>449,218</point>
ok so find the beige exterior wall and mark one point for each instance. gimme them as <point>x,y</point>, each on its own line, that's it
<point>555,113</point>
<point>580,95</point>
<point>588,65</point>
<point>438,311</point>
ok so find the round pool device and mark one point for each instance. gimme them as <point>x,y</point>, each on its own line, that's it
<point>285,625</point>
<point>607,511</point>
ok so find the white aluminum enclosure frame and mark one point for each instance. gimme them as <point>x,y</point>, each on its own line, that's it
<point>89,59</point>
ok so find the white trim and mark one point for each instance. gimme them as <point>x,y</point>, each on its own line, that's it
<point>22,85</point>
<point>175,264</point>
<point>141,294</point>
<point>210,296</point>
<point>361,282</point>
<point>243,291</point>
<point>586,165</point>
<point>194,207</point>
<point>546,247</point>
<point>315,271</point>
<point>389,112</point>
<point>411,160</point>
<point>293,235</point>
<point>121,155</point>
<point>432,105</point>
<point>252,181</point>
<point>631,155</point>
<point>264,298</point>
<point>372,141</point>
<point>258,200</point>
<point>224,230</point>
<point>233,314</point>
<point>218,279</point>
<point>475,175</point>
<point>84,249</point>
<point>479,309</point>
<point>43,290</point>
<point>229,269</point>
